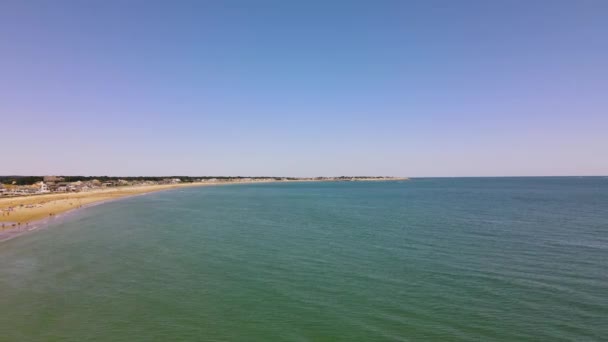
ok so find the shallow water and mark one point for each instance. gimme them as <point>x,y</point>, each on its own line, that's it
<point>494,259</point>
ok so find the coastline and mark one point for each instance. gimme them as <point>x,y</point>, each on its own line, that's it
<point>30,213</point>
<point>48,207</point>
<point>16,231</point>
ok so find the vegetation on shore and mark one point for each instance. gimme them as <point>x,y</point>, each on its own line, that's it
<point>29,180</point>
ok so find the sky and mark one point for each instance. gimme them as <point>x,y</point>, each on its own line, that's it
<point>304,88</point>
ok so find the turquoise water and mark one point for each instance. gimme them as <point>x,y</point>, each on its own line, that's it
<point>505,259</point>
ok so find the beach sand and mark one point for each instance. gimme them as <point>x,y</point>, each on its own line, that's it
<point>27,209</point>
<point>29,212</point>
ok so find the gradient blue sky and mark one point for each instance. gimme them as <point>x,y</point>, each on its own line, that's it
<point>304,88</point>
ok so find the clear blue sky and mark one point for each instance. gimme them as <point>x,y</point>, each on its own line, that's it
<point>304,88</point>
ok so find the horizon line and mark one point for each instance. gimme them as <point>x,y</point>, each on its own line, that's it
<point>360,176</point>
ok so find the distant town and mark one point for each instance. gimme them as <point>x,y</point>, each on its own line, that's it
<point>32,185</point>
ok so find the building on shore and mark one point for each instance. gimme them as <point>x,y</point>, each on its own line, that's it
<point>171,181</point>
<point>52,179</point>
<point>42,187</point>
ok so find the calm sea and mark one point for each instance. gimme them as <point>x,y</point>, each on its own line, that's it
<point>472,259</point>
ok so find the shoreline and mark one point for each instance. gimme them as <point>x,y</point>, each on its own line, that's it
<point>31,213</point>
<point>30,227</point>
<point>23,222</point>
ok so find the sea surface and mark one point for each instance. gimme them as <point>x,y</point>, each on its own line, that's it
<point>462,259</point>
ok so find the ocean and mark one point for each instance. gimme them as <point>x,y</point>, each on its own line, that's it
<point>444,259</point>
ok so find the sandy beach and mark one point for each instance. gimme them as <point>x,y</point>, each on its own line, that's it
<point>19,215</point>
<point>19,212</point>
